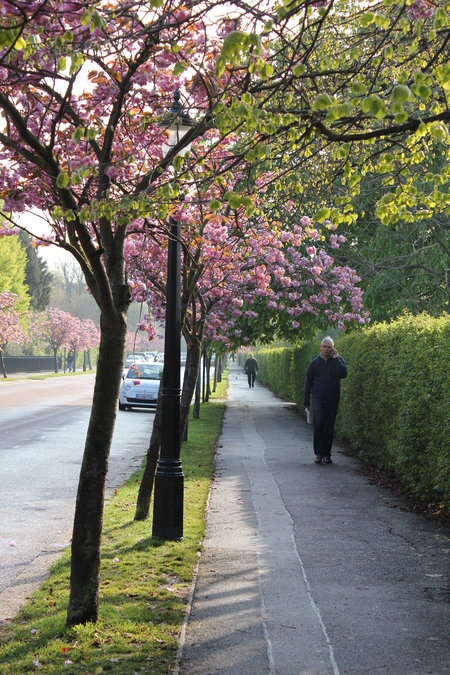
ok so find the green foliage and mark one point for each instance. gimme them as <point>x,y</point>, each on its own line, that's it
<point>301,359</point>
<point>13,260</point>
<point>395,401</point>
<point>144,584</point>
<point>275,370</point>
<point>37,276</point>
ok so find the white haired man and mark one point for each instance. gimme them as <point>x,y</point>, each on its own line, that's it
<point>323,382</point>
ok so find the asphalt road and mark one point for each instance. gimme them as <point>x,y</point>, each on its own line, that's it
<point>43,425</point>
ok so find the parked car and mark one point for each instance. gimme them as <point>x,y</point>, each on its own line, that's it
<point>140,386</point>
<point>150,356</point>
<point>134,358</point>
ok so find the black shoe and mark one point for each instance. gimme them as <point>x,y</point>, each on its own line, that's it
<point>327,460</point>
<point>318,459</point>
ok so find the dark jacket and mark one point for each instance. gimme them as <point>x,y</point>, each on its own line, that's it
<point>251,366</point>
<point>323,379</point>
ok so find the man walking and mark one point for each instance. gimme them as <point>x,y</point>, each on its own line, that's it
<point>251,368</point>
<point>323,379</point>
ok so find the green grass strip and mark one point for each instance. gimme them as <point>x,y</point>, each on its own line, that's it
<point>144,582</point>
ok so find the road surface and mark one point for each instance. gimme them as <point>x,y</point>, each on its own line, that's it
<point>43,426</point>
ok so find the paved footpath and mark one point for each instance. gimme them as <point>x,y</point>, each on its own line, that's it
<point>306,569</point>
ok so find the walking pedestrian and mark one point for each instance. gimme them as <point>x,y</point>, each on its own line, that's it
<point>251,368</point>
<point>323,381</point>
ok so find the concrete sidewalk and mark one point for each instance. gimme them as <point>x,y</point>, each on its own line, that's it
<point>306,569</point>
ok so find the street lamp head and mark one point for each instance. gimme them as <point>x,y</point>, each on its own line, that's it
<point>176,125</point>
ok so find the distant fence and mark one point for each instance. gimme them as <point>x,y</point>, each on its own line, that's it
<point>30,364</point>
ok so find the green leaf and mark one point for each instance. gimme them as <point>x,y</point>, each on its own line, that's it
<point>299,70</point>
<point>179,69</point>
<point>343,150</point>
<point>86,18</point>
<point>423,91</point>
<point>91,133</point>
<point>63,180</point>
<point>322,102</point>
<point>367,19</point>
<point>401,93</point>
<point>359,89</point>
<point>78,134</point>
<point>375,106</point>
<point>442,74</point>
<point>439,130</point>
<point>220,66</point>
<point>265,71</point>
<point>401,117</point>
<point>235,201</point>
<point>214,205</point>
<point>321,215</point>
<point>345,110</point>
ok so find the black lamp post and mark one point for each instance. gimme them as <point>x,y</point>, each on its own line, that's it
<point>169,478</point>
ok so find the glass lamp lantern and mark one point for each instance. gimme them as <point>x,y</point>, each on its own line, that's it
<point>175,126</point>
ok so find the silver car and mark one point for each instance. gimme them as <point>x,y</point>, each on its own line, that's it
<point>140,386</point>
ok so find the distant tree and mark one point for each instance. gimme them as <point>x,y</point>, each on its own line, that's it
<point>10,329</point>
<point>13,262</point>
<point>89,339</point>
<point>54,327</point>
<point>37,275</point>
<point>69,292</point>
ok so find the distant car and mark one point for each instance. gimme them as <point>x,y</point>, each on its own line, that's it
<point>150,356</point>
<point>140,386</point>
<point>135,358</point>
<point>182,360</point>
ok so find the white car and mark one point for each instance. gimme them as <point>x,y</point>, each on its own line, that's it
<point>140,386</point>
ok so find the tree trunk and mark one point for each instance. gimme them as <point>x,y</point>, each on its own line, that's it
<point>2,363</point>
<point>146,486</point>
<point>206,376</point>
<point>85,564</point>
<point>191,373</point>
<point>196,410</point>
<point>190,378</point>
<point>216,365</point>
<point>219,369</point>
<point>55,354</point>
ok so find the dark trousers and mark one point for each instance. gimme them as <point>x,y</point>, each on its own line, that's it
<point>251,378</point>
<point>324,418</point>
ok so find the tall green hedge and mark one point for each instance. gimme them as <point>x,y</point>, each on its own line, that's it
<point>395,402</point>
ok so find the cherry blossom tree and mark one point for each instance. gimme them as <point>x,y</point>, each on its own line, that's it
<point>244,278</point>
<point>54,327</point>
<point>89,339</point>
<point>139,340</point>
<point>10,329</point>
<point>83,87</point>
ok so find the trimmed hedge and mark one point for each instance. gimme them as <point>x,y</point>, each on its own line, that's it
<point>395,402</point>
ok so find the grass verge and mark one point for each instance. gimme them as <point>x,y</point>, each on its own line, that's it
<point>144,583</point>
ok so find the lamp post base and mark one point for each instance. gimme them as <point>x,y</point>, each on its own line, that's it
<point>168,500</point>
